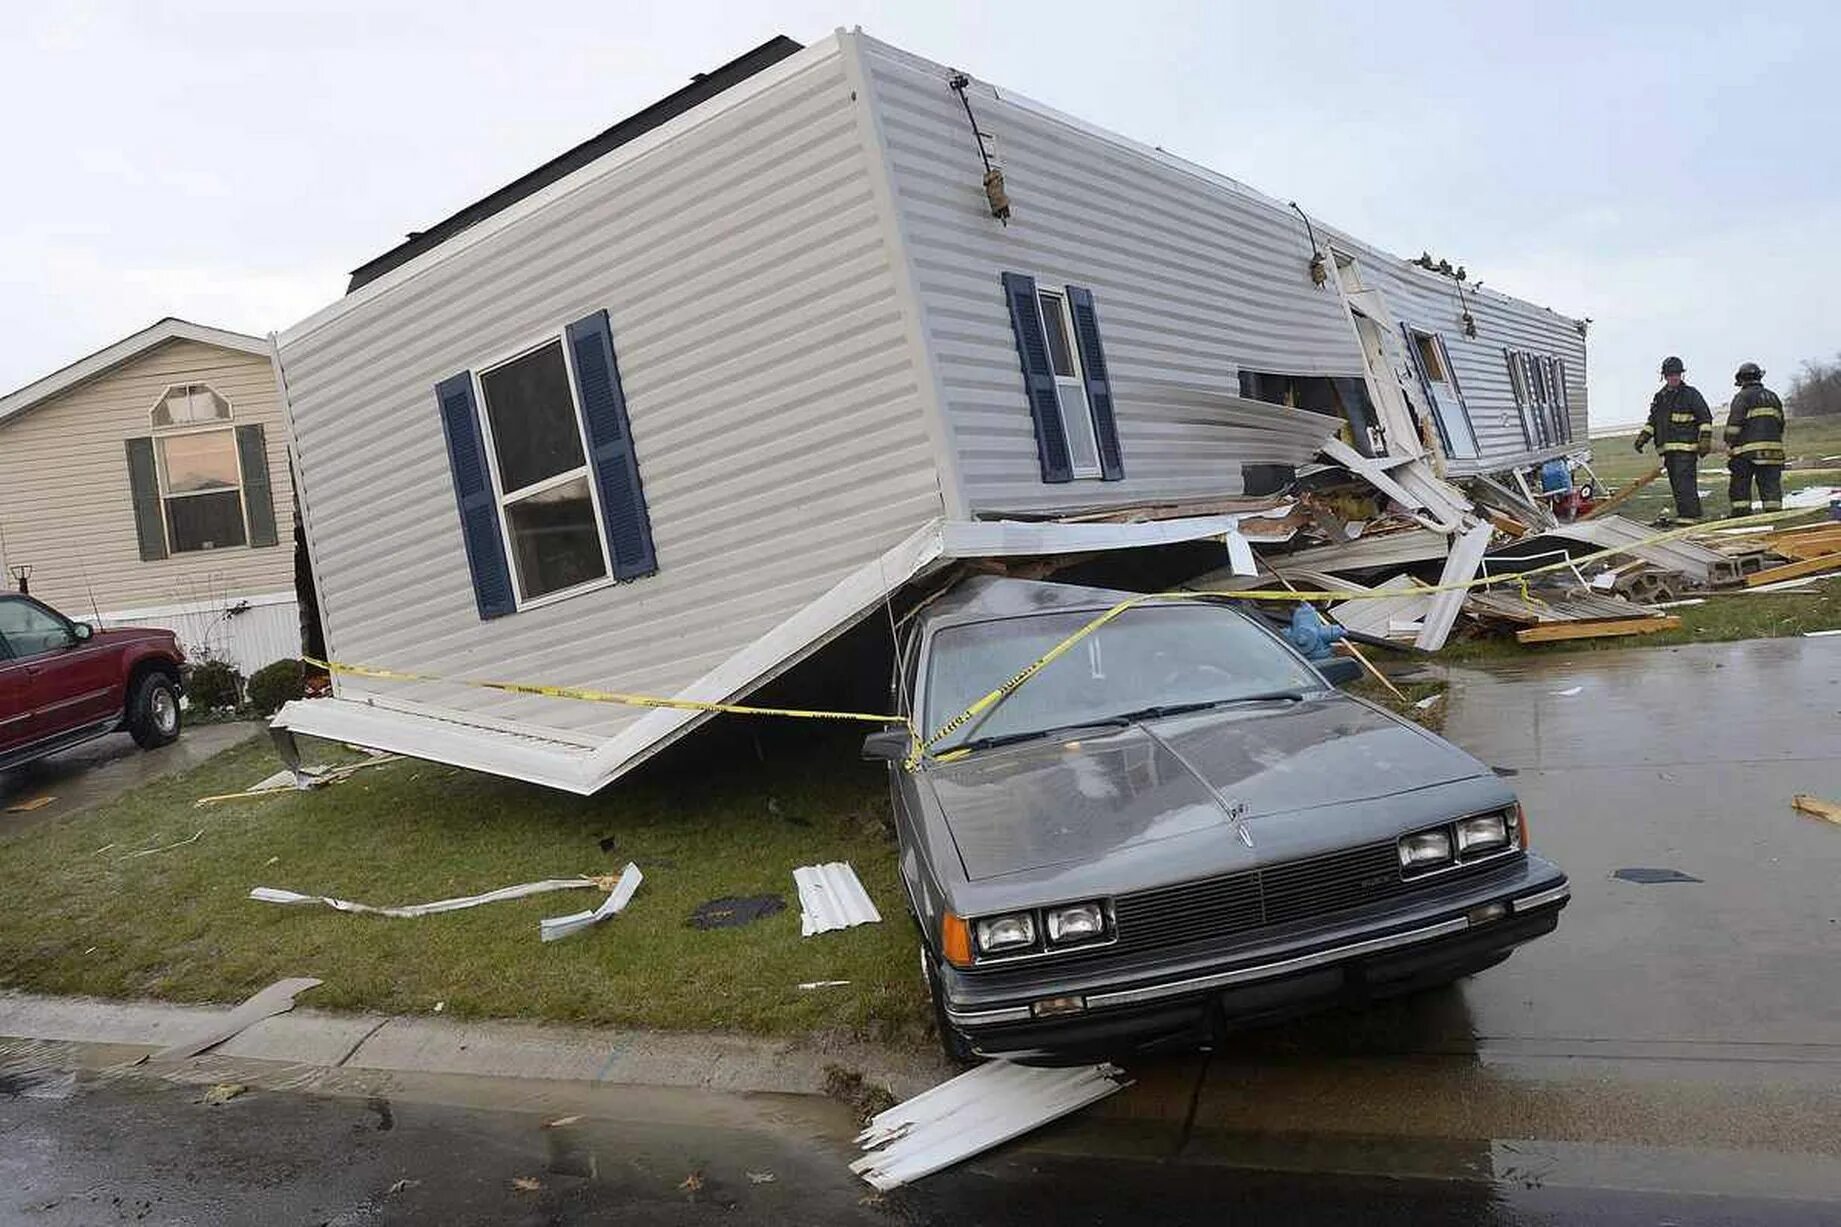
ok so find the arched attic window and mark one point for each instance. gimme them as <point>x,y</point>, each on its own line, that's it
<point>190,404</point>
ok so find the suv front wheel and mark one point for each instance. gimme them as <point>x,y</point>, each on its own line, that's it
<point>153,711</point>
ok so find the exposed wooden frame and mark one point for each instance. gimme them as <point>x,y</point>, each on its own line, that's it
<point>1794,570</point>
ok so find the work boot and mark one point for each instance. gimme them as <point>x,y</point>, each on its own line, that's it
<point>1773,506</point>
<point>1739,509</point>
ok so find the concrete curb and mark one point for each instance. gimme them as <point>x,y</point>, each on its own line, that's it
<point>733,1064</point>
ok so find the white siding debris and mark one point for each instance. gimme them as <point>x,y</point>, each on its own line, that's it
<point>831,897</point>
<point>554,927</point>
<point>972,1113</point>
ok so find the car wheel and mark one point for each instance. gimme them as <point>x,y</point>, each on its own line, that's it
<point>956,1047</point>
<point>153,711</point>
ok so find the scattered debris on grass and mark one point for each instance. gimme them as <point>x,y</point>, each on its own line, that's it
<point>810,984</point>
<point>223,1092</point>
<point>831,897</point>
<point>865,1098</point>
<point>288,898</point>
<point>970,1114</point>
<point>562,1122</point>
<point>554,927</point>
<point>401,1186</point>
<point>692,1183</point>
<point>731,912</point>
<point>760,1177</point>
<point>277,998</point>
<point>1643,875</point>
<point>26,807</point>
<point>302,779</point>
<point>526,1184</point>
<point>1568,693</point>
<point>1815,807</point>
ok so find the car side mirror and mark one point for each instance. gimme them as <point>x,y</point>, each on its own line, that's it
<point>1339,671</point>
<point>886,746</point>
<point>82,630</point>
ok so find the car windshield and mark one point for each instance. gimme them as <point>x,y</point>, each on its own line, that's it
<point>1145,662</point>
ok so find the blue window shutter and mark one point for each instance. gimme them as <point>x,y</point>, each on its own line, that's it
<point>1038,378</point>
<point>479,503</point>
<point>1099,385</point>
<point>610,440</point>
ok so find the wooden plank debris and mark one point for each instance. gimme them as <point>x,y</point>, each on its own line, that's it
<point>1794,570</point>
<point>1617,500</point>
<point>1559,631</point>
<point>1827,811</point>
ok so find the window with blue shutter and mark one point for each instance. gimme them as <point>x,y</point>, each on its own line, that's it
<point>1039,384</point>
<point>1098,385</point>
<point>479,502</point>
<point>627,524</point>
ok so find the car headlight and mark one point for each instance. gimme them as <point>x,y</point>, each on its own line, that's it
<point>1079,922</point>
<point>1425,848</point>
<point>997,934</point>
<point>1482,833</point>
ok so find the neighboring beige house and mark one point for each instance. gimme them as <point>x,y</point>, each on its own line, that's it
<point>148,484</point>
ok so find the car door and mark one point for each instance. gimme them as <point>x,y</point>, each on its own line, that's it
<point>69,683</point>
<point>15,711</point>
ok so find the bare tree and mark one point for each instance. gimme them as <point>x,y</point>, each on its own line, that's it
<point>1816,389</point>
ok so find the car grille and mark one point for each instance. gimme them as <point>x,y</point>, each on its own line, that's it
<point>1318,886</point>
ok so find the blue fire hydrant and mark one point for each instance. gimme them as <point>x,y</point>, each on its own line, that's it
<point>1310,634</point>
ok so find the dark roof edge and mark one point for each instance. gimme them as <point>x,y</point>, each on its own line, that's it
<point>702,87</point>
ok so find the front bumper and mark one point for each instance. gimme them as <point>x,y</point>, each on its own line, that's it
<point>1189,1003</point>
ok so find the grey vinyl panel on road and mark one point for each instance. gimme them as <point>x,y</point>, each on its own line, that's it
<point>1191,280</point>
<point>774,398</point>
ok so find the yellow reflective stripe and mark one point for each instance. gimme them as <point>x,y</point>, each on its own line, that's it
<point>1767,445</point>
<point>1681,417</point>
<point>1764,411</point>
<point>1680,447</point>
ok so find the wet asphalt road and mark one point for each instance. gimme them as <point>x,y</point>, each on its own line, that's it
<point>142,1151</point>
<point>1671,1055</point>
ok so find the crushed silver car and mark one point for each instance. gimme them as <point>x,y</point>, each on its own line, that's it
<point>1179,825</point>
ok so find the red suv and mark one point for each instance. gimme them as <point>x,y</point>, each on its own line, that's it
<point>64,682</point>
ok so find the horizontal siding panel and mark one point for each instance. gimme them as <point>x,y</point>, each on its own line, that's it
<point>1192,282</point>
<point>65,508</point>
<point>774,400</point>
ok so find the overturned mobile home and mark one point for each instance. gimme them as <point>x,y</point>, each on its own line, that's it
<point>671,412</point>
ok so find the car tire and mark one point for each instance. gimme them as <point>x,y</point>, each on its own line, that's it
<point>957,1048</point>
<point>153,711</point>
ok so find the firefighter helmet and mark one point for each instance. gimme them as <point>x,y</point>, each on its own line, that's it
<point>1671,365</point>
<point>1749,372</point>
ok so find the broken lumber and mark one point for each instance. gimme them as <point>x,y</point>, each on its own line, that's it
<point>1557,631</point>
<point>1803,544</point>
<point>1794,570</point>
<point>1827,811</point>
<point>1617,500</point>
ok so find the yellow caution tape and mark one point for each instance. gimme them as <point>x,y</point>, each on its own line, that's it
<point>604,696</point>
<point>1520,578</point>
<point>997,695</point>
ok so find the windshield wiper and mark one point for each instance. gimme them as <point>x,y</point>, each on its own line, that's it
<point>1177,709</point>
<point>1007,739</point>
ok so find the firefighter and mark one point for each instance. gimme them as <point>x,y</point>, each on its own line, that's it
<point>1682,426</point>
<point>1754,442</point>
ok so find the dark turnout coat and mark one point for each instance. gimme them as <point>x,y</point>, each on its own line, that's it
<point>1679,421</point>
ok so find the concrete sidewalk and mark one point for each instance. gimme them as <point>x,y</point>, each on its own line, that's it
<point>435,1045</point>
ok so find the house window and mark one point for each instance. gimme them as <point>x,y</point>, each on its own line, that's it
<point>189,404</point>
<point>1539,384</point>
<point>1070,387</point>
<point>200,475</point>
<point>546,497</point>
<point>1448,409</point>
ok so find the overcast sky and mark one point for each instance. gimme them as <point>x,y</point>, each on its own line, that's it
<point>1668,170</point>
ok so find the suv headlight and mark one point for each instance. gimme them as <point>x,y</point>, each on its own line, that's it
<point>1481,833</point>
<point>1079,922</point>
<point>997,934</point>
<point>1425,848</point>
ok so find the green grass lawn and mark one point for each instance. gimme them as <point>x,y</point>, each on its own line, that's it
<point>733,818</point>
<point>1806,441</point>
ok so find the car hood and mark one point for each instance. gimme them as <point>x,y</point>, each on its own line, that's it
<point>119,635</point>
<point>1059,801</point>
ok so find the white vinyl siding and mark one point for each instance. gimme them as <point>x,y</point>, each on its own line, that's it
<point>65,507</point>
<point>1192,278</point>
<point>770,383</point>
